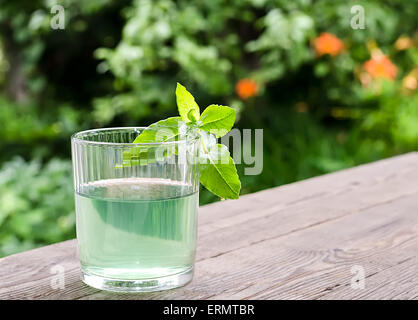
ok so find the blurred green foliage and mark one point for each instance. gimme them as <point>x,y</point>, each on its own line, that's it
<point>117,62</point>
<point>36,204</point>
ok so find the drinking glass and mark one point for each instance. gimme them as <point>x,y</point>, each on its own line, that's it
<point>136,207</point>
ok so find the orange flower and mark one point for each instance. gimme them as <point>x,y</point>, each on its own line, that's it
<point>380,66</point>
<point>327,43</point>
<point>246,88</point>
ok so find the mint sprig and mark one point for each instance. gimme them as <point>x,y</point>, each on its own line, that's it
<point>218,173</point>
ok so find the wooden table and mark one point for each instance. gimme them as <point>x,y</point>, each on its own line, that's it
<point>313,239</point>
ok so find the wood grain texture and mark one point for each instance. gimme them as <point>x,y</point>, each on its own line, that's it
<point>297,241</point>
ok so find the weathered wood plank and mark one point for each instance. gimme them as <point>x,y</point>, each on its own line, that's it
<point>295,241</point>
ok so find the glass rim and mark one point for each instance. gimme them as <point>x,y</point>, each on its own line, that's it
<point>76,138</point>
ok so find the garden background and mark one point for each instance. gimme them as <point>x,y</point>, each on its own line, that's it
<point>327,96</point>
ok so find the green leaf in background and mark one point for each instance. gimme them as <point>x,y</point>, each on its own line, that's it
<point>217,119</point>
<point>218,174</point>
<point>186,104</point>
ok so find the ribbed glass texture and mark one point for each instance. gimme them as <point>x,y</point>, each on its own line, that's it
<point>97,153</point>
<point>136,207</point>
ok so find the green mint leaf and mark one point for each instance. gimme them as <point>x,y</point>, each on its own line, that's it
<point>187,106</point>
<point>217,119</point>
<point>218,173</point>
<point>161,131</point>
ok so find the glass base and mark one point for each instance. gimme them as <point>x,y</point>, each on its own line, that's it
<point>142,285</point>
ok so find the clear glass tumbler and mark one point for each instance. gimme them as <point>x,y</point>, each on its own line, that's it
<point>136,207</point>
